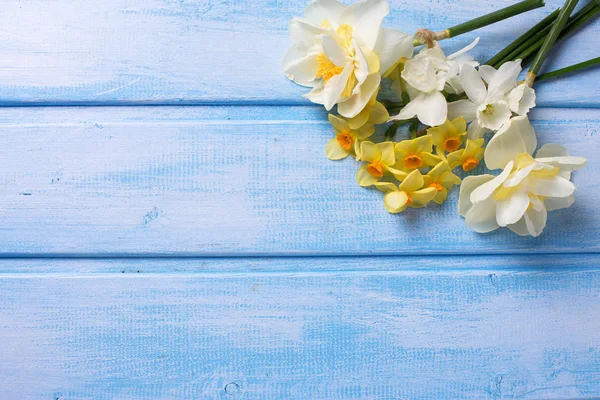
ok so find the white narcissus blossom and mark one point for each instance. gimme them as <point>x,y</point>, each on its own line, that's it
<point>426,75</point>
<point>341,52</point>
<point>489,108</point>
<point>520,197</point>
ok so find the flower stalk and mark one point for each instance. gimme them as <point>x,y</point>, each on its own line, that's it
<point>557,27</point>
<point>570,69</point>
<point>425,36</point>
<point>523,38</point>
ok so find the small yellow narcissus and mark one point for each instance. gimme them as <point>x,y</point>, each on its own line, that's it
<point>347,139</point>
<point>469,157</point>
<point>379,160</point>
<point>442,179</point>
<point>414,154</point>
<point>449,136</point>
<point>410,193</point>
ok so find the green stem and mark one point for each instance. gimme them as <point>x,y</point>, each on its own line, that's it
<point>531,45</point>
<point>557,27</point>
<point>494,17</point>
<point>569,69</point>
<point>574,23</point>
<point>480,22</point>
<point>523,38</point>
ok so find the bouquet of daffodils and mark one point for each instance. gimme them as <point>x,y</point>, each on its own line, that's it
<point>455,110</point>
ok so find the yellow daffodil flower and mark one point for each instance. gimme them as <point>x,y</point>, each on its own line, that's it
<point>379,160</point>
<point>374,113</point>
<point>414,154</point>
<point>410,193</point>
<point>347,139</point>
<point>469,157</point>
<point>442,179</point>
<point>448,137</point>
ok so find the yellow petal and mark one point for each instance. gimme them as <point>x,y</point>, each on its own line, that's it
<point>364,178</point>
<point>379,114</point>
<point>430,159</point>
<point>395,202</point>
<point>441,196</point>
<point>437,171</point>
<point>360,119</point>
<point>334,151</point>
<point>338,123</point>
<point>405,147</point>
<point>387,153</point>
<point>386,187</point>
<point>364,131</point>
<point>413,182</point>
<point>369,152</point>
<point>455,158</point>
<point>421,198</point>
<point>448,180</point>
<point>423,144</point>
<point>400,175</point>
<point>460,125</point>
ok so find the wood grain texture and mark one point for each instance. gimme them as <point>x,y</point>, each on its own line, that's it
<point>236,181</point>
<point>216,51</point>
<point>411,328</point>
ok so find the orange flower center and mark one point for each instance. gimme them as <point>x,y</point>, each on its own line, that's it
<point>408,199</point>
<point>469,164</point>
<point>437,186</point>
<point>345,140</point>
<point>413,161</point>
<point>451,144</point>
<point>375,169</point>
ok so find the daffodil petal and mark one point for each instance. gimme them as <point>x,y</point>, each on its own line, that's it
<point>334,51</point>
<point>481,217</point>
<point>357,102</point>
<point>510,210</point>
<point>334,151</point>
<point>364,178</point>
<point>391,46</point>
<point>433,110</point>
<point>370,152</point>
<point>379,114</point>
<point>485,190</point>
<point>487,72</point>
<point>555,187</point>
<point>338,123</point>
<point>536,221</point>
<point>462,108</point>
<point>324,10</point>
<point>387,153</point>
<point>304,32</point>
<point>299,66</point>
<point>504,79</point>
<point>395,202</point>
<point>413,182</point>
<point>520,228</point>
<point>420,198</point>
<point>472,84</point>
<point>386,187</point>
<point>469,184</point>
<point>557,203</point>
<point>366,17</point>
<point>515,137</point>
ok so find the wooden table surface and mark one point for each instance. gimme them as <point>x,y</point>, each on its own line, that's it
<point>171,229</point>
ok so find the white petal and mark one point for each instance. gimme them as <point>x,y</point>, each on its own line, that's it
<point>420,74</point>
<point>410,110</point>
<point>472,84</point>
<point>334,52</point>
<point>391,46</point>
<point>321,10</point>
<point>520,228</point>
<point>500,114</point>
<point>515,137</point>
<point>555,187</point>
<point>469,184</point>
<point>504,79</point>
<point>482,217</point>
<point>552,150</point>
<point>355,104</point>
<point>517,177</point>
<point>332,92</point>
<point>462,108</point>
<point>299,66</point>
<point>303,32</point>
<point>521,99</point>
<point>485,190</point>
<point>464,50</point>
<point>476,131</point>
<point>487,72</point>
<point>557,203</point>
<point>510,210</point>
<point>366,17</point>
<point>433,110</point>
<point>535,221</point>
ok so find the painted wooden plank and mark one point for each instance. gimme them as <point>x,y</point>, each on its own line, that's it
<point>236,180</point>
<point>516,328</point>
<point>215,51</point>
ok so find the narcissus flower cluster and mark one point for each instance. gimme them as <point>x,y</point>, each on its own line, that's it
<point>450,104</point>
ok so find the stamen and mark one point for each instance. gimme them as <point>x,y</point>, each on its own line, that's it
<point>489,109</point>
<point>345,140</point>
<point>413,161</point>
<point>326,68</point>
<point>469,164</point>
<point>375,169</point>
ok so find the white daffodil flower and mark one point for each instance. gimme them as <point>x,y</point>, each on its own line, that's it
<point>489,108</point>
<point>426,75</point>
<point>520,197</point>
<point>341,52</point>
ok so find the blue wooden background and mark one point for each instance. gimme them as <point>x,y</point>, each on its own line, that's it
<point>170,227</point>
